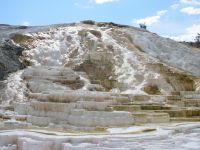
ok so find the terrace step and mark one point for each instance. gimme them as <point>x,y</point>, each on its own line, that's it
<point>129,108</point>
<point>144,117</point>
<point>9,107</point>
<point>182,119</point>
<point>100,119</point>
<point>67,107</point>
<point>182,112</point>
<point>65,96</point>
<point>190,94</point>
<point>39,121</point>
<point>155,107</point>
<point>142,103</point>
<point>132,108</point>
<point>191,102</point>
<point>174,97</point>
<point>52,107</point>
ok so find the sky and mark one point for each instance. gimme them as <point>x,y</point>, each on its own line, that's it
<point>177,19</point>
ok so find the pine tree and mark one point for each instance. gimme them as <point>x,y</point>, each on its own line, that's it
<point>143,26</point>
<point>197,40</point>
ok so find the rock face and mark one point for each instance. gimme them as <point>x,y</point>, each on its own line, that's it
<point>13,42</point>
<point>9,58</point>
<point>10,51</point>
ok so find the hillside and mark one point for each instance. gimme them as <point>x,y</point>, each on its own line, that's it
<point>95,77</point>
<point>124,59</point>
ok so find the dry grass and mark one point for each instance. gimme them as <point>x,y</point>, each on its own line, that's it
<point>152,89</point>
<point>19,38</point>
<point>95,33</point>
<point>139,48</point>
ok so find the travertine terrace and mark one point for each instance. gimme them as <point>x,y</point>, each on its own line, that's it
<point>93,85</point>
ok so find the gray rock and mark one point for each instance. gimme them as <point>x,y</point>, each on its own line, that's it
<point>9,58</point>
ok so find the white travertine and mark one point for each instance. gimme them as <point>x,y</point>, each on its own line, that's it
<point>96,118</point>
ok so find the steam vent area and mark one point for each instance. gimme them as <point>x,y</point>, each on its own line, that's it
<point>97,86</point>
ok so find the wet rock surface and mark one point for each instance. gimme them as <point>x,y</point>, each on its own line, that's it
<point>152,137</point>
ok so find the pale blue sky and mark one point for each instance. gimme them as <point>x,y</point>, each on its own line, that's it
<point>177,18</point>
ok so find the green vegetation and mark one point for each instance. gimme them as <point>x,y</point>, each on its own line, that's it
<point>196,42</point>
<point>90,22</point>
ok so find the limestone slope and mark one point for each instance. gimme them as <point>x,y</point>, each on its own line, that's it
<point>121,59</point>
<point>88,85</point>
<point>168,51</point>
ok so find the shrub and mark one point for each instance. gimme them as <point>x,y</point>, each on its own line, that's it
<point>90,22</point>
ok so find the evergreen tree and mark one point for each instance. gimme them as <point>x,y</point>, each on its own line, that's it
<point>143,26</point>
<point>197,40</point>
